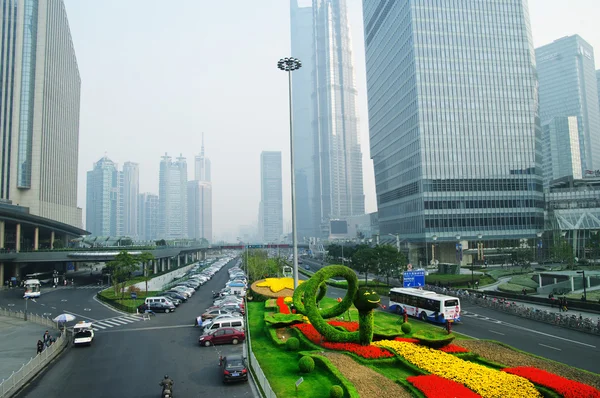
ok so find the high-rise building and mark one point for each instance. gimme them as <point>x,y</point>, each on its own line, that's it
<point>104,200</point>
<point>172,215</point>
<point>271,198</point>
<point>39,109</point>
<point>568,87</point>
<point>202,165</point>
<point>131,191</point>
<point>453,118</point>
<point>199,199</point>
<point>328,159</point>
<point>561,158</point>
<point>148,216</point>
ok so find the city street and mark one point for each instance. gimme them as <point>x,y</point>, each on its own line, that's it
<point>130,360</point>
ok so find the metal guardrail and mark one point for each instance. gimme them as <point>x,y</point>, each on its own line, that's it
<point>256,370</point>
<point>27,371</point>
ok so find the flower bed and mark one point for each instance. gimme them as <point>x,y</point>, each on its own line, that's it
<point>368,352</point>
<point>283,308</point>
<point>483,380</point>
<point>349,326</point>
<point>567,388</point>
<point>434,386</point>
<point>453,349</point>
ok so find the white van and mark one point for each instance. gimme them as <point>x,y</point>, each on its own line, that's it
<point>152,300</point>
<point>237,323</point>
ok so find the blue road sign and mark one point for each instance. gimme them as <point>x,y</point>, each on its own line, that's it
<point>70,266</point>
<point>414,279</point>
<point>133,295</point>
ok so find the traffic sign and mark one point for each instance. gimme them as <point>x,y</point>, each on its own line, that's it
<point>409,267</point>
<point>414,278</point>
<point>133,295</point>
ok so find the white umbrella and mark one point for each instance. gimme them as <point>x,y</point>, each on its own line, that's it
<point>64,318</point>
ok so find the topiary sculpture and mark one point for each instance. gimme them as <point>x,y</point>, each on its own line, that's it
<point>306,364</point>
<point>365,300</point>
<point>336,391</point>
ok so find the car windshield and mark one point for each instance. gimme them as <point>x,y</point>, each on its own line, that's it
<point>83,333</point>
<point>235,364</point>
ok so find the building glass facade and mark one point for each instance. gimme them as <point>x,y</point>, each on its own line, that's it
<point>561,149</point>
<point>199,198</point>
<point>104,199</point>
<point>131,191</point>
<point>271,198</point>
<point>148,216</point>
<point>455,133</point>
<point>172,222</point>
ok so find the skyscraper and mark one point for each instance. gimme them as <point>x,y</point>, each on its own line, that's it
<point>131,191</point>
<point>148,216</point>
<point>199,197</point>
<point>172,222</point>
<point>39,109</point>
<point>202,165</point>
<point>453,117</point>
<point>328,157</point>
<point>271,198</point>
<point>104,200</point>
<point>562,150</point>
<point>568,87</point>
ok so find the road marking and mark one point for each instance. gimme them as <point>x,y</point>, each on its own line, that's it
<point>117,321</point>
<point>11,305</point>
<point>63,300</point>
<point>554,348</point>
<point>98,326</point>
<point>109,322</point>
<point>47,313</point>
<point>81,316</point>
<point>43,304</point>
<point>493,331</point>
<point>151,328</point>
<point>104,324</point>
<point>87,309</point>
<point>53,308</point>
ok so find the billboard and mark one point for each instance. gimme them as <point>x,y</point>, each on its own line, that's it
<point>338,227</point>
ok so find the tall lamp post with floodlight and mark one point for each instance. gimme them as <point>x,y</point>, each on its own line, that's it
<point>433,245</point>
<point>289,65</point>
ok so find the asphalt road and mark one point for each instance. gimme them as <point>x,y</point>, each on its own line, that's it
<point>131,360</point>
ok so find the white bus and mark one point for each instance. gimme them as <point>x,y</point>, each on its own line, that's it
<point>424,304</point>
<point>32,288</point>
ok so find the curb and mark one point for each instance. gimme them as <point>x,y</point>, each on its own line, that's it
<point>110,307</point>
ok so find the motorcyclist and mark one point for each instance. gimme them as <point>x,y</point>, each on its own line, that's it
<point>167,384</point>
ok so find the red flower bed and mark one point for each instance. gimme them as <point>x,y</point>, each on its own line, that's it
<point>349,326</point>
<point>453,349</point>
<point>368,351</point>
<point>283,308</point>
<point>406,339</point>
<point>567,388</point>
<point>434,386</point>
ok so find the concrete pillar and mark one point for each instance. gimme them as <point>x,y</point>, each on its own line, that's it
<point>18,238</point>
<point>572,283</point>
<point>155,266</point>
<point>168,263</point>
<point>587,281</point>
<point>36,238</point>
<point>178,260</point>
<point>162,265</point>
<point>203,255</point>
<point>52,240</point>
<point>555,281</point>
<point>540,280</point>
<point>2,271</point>
<point>2,233</point>
<point>186,258</point>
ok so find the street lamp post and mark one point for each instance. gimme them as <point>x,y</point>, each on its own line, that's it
<point>539,246</point>
<point>397,236</point>
<point>289,65</point>
<point>434,237</point>
<point>584,283</point>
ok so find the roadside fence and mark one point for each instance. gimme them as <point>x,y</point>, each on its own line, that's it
<point>569,321</point>
<point>257,372</point>
<point>27,371</point>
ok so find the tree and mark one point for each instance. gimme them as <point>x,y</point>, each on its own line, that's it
<point>365,260</point>
<point>523,257</point>
<point>390,262</point>
<point>562,252</point>
<point>121,269</point>
<point>145,258</point>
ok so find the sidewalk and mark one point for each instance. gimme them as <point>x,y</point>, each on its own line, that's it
<point>18,343</point>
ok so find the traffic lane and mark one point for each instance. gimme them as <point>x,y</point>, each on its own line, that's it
<point>573,352</point>
<point>131,363</point>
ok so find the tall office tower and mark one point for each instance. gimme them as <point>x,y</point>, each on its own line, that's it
<point>455,133</point>
<point>104,201</point>
<point>202,165</point>
<point>131,191</point>
<point>271,197</point>
<point>172,215</point>
<point>568,87</point>
<point>199,199</point>
<point>560,137</point>
<point>327,154</point>
<point>148,216</point>
<point>39,109</point>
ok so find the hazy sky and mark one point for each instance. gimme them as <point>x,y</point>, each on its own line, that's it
<point>156,74</point>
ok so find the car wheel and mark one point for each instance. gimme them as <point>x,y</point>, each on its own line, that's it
<point>423,316</point>
<point>207,343</point>
<point>166,310</point>
<point>234,341</point>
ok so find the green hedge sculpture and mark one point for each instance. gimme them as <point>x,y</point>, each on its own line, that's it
<point>306,300</point>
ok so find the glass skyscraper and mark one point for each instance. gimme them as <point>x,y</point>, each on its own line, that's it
<point>271,197</point>
<point>131,191</point>
<point>568,87</point>
<point>328,159</point>
<point>562,152</point>
<point>453,117</point>
<point>172,198</point>
<point>104,199</point>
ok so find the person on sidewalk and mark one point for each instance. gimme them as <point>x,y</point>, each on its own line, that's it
<point>40,346</point>
<point>47,338</point>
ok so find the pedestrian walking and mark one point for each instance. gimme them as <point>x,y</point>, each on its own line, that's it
<point>46,338</point>
<point>40,346</point>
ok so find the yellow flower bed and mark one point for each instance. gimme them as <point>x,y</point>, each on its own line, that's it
<point>288,300</point>
<point>483,380</point>
<point>278,284</point>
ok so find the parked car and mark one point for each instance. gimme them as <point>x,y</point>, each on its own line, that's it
<point>165,307</point>
<point>214,313</point>
<point>175,295</point>
<point>222,336</point>
<point>234,369</point>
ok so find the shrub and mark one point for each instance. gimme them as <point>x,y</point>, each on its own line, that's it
<point>292,344</point>
<point>306,364</point>
<point>434,341</point>
<point>336,391</point>
<point>406,328</point>
<point>133,289</point>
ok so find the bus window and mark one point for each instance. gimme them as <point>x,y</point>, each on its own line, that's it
<point>32,288</point>
<point>451,303</point>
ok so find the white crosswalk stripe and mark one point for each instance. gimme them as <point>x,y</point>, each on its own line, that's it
<point>114,322</point>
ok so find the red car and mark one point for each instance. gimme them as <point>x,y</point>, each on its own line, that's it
<point>222,336</point>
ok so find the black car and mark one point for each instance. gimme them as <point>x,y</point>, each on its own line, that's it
<point>176,295</point>
<point>234,368</point>
<point>157,307</point>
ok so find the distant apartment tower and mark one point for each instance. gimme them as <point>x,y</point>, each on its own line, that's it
<point>560,138</point>
<point>202,165</point>
<point>453,120</point>
<point>172,222</point>
<point>568,87</point>
<point>328,158</point>
<point>271,202</point>
<point>148,216</point>
<point>104,200</point>
<point>131,191</point>
<point>199,197</point>
<point>39,109</point>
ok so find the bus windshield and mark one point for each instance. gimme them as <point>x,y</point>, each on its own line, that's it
<point>32,288</point>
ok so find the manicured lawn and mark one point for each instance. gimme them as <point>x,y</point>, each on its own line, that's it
<point>498,273</point>
<point>127,301</point>
<point>458,280</point>
<point>281,367</point>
